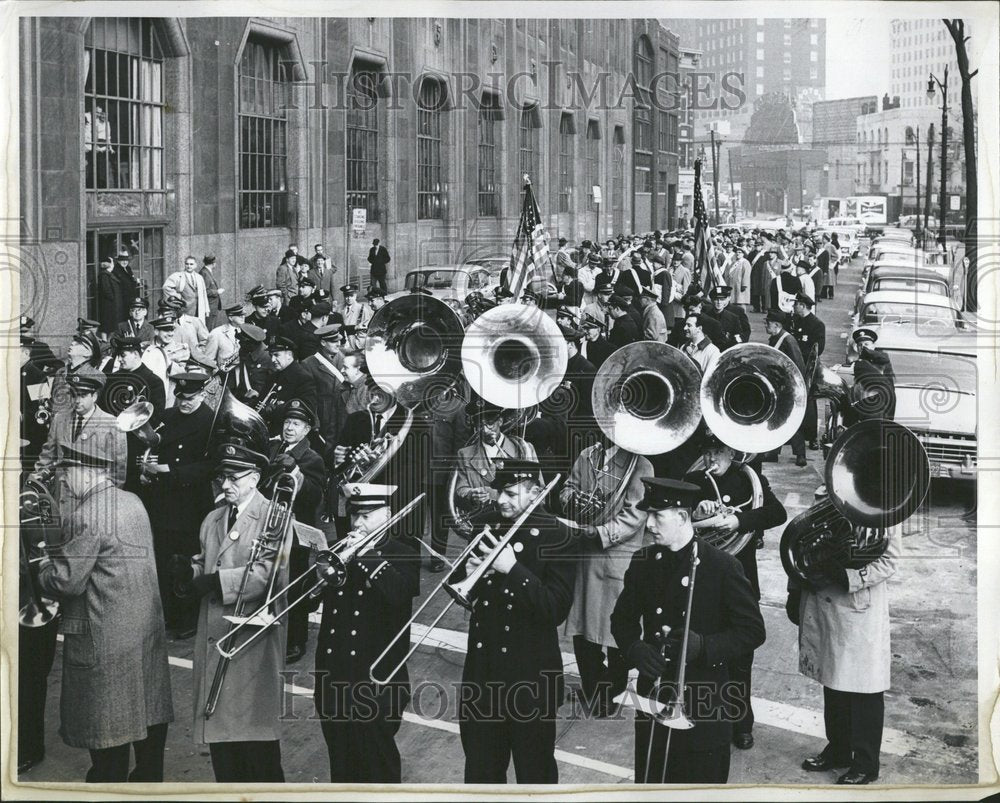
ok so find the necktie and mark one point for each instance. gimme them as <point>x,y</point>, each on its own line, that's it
<point>378,423</point>
<point>232,518</point>
<point>77,425</point>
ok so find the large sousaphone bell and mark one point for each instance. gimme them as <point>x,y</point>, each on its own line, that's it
<point>753,397</point>
<point>645,397</point>
<point>514,356</point>
<point>414,348</point>
<point>877,475</point>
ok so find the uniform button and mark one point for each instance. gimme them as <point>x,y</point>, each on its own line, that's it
<point>218,563</point>
<point>180,445</point>
<point>685,581</point>
<point>339,594</point>
<point>509,606</point>
<point>354,632</point>
<point>361,592</point>
<point>506,628</point>
<point>357,613</point>
<point>333,611</point>
<point>332,631</point>
<point>328,650</point>
<point>659,610</point>
<point>503,649</point>
<point>486,602</point>
<point>489,582</point>
<point>353,652</point>
<point>479,645</point>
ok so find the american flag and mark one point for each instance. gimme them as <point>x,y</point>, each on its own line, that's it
<point>530,251</point>
<point>702,240</point>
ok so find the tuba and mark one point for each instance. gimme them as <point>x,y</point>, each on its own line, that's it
<point>644,398</point>
<point>753,397</point>
<point>877,475</point>
<point>39,512</point>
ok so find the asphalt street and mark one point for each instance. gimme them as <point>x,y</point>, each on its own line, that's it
<point>931,733</point>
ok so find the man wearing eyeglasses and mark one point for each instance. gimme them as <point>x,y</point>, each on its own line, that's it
<point>243,731</point>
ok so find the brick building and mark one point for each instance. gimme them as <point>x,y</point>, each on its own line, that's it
<point>834,130</point>
<point>241,135</point>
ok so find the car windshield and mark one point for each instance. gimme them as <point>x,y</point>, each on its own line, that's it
<point>885,312</point>
<point>922,369</point>
<point>432,279</point>
<point>917,285</point>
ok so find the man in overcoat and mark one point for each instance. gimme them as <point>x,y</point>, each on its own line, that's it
<point>116,695</point>
<point>724,622</point>
<point>243,732</point>
<point>608,538</point>
<point>512,683</point>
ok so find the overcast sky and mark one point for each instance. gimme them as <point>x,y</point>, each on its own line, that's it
<point>857,57</point>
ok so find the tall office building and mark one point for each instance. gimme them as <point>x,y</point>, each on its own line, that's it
<point>921,47</point>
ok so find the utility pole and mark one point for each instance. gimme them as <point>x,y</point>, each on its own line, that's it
<point>920,238</point>
<point>732,191</point>
<point>943,86</point>
<point>930,173</point>
<point>715,177</point>
<point>801,188</point>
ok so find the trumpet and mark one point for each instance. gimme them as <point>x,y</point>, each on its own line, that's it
<point>461,591</point>
<point>262,404</point>
<point>43,415</point>
<point>330,569</point>
<point>270,542</point>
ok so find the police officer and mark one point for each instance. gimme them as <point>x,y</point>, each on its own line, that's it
<point>359,719</point>
<point>177,490</point>
<point>512,683</point>
<point>732,318</point>
<point>736,491</point>
<point>290,381</point>
<point>724,622</point>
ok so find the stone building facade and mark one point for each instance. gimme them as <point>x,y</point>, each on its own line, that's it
<point>239,136</point>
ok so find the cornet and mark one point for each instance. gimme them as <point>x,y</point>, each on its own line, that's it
<point>461,591</point>
<point>330,569</point>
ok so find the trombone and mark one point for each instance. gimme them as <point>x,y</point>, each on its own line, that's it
<point>330,567</point>
<point>461,591</point>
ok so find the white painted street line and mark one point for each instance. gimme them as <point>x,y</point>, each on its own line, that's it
<point>793,499</point>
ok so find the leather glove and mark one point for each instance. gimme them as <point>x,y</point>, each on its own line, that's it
<point>283,462</point>
<point>205,584</point>
<point>793,605</point>
<point>695,646</point>
<point>647,659</point>
<point>181,569</point>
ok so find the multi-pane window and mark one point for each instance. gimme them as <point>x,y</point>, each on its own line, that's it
<point>123,105</point>
<point>429,127</point>
<point>663,131</point>
<point>643,62</point>
<point>527,143</point>
<point>145,248</point>
<point>489,115</point>
<point>643,126</point>
<point>263,137</point>
<point>593,155</point>
<point>362,143</point>
<point>566,133</point>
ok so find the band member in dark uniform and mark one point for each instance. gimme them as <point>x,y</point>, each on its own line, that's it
<point>359,719</point>
<point>725,622</point>
<point>810,333</point>
<point>291,381</point>
<point>136,326</point>
<point>133,380</point>
<point>262,314</point>
<point>290,451</point>
<point>177,490</point>
<point>873,378</point>
<point>775,324</point>
<point>611,529</point>
<point>733,320</point>
<point>253,374</point>
<point>623,329</point>
<point>34,385</point>
<point>595,347</point>
<point>243,733</point>
<point>736,490</point>
<point>512,684</point>
<point>115,677</point>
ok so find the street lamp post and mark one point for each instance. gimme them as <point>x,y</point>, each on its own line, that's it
<point>943,86</point>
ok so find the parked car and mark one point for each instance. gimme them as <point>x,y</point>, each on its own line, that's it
<point>850,245</point>
<point>914,280</point>
<point>935,397</point>
<point>449,281</point>
<point>494,264</point>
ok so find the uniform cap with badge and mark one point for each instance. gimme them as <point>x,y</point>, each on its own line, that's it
<point>365,496</point>
<point>189,384</point>
<point>296,408</point>
<point>278,343</point>
<point>85,454</point>
<point>666,494</point>
<point>80,384</point>
<point>514,471</point>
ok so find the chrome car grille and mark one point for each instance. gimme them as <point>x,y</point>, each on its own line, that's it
<point>945,448</point>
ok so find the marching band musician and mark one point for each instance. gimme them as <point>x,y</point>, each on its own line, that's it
<point>262,315</point>
<point>326,367</point>
<point>623,329</point>
<point>177,492</point>
<point>873,376</point>
<point>134,379</point>
<point>731,318</point>
<point>512,683</point>
<point>810,332</point>
<point>253,372</point>
<point>136,326</point>
<point>83,357</point>
<point>736,490</point>
<point>222,345</point>
<point>844,644</point>
<point>360,720</point>
<point>477,463</point>
<point>82,423</point>
<point>724,622</point>
<point>243,733</point>
<point>599,309</point>
<point>291,450</point>
<point>291,381</point>
<point>164,356</point>
<point>34,383</point>
<point>115,677</point>
<point>606,548</point>
<point>594,347</point>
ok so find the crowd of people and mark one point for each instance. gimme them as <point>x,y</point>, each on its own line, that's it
<point>195,500</point>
